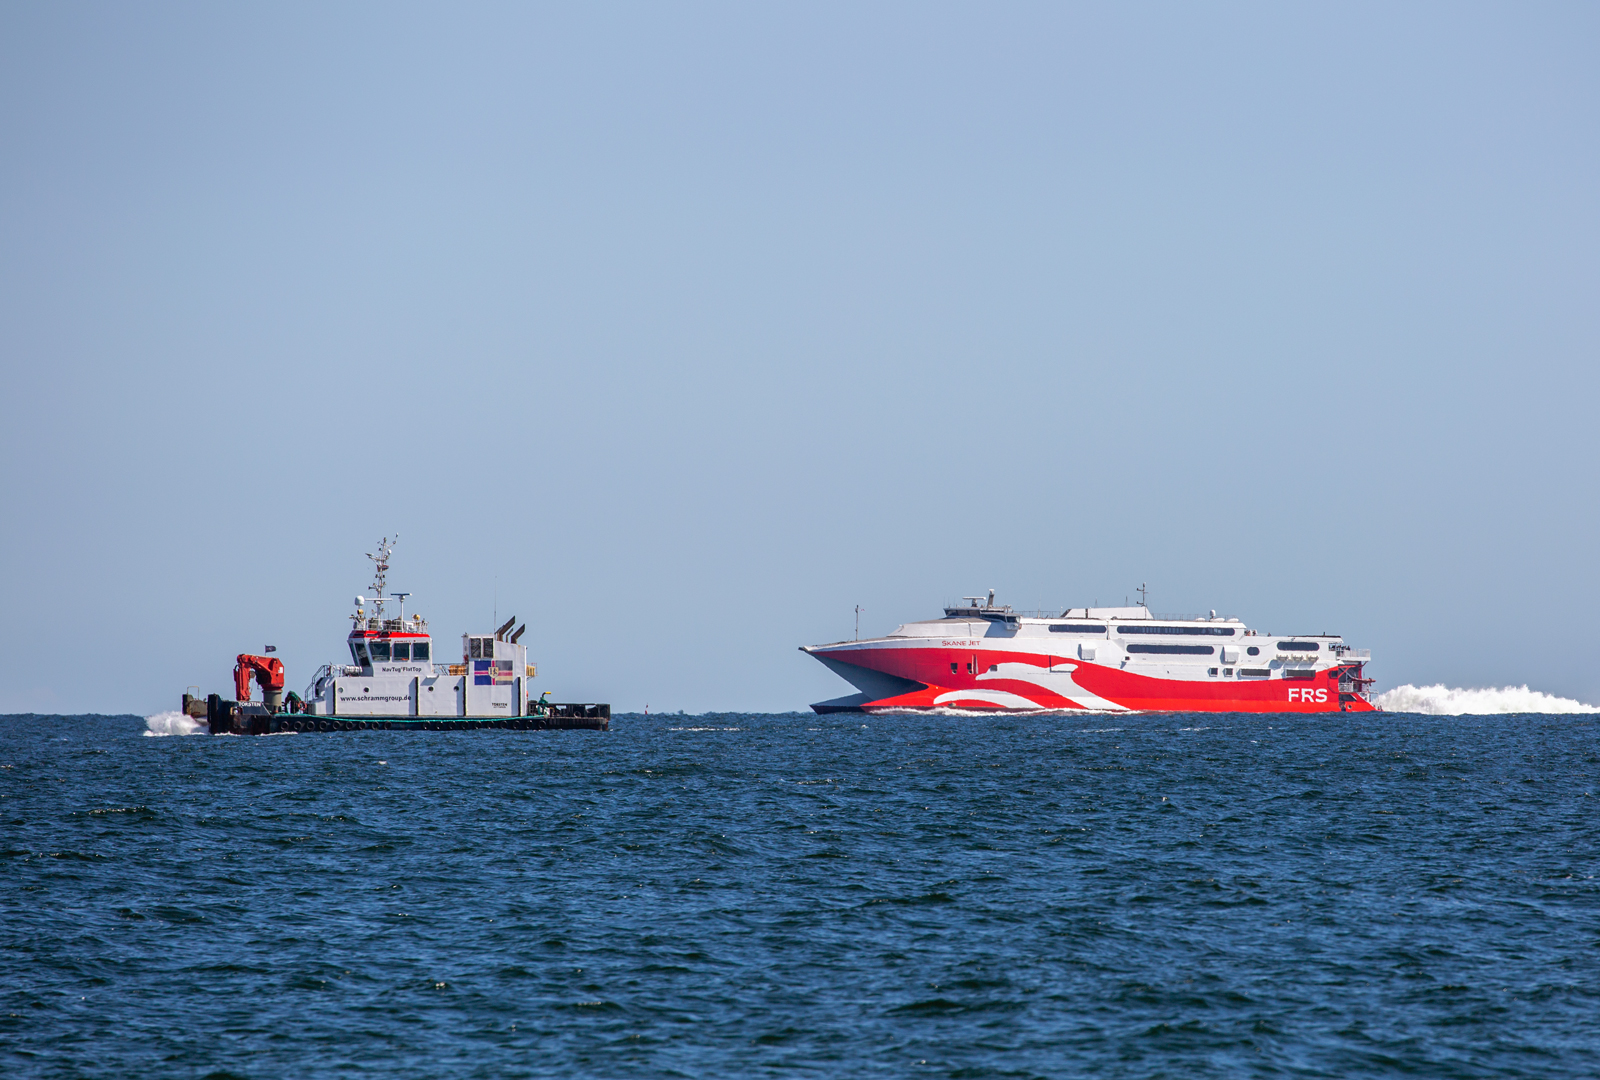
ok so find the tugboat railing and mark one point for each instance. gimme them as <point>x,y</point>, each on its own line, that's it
<point>402,626</point>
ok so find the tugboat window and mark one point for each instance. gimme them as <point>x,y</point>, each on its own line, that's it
<point>358,652</point>
<point>419,650</point>
<point>475,648</point>
<point>402,650</point>
<point>380,652</point>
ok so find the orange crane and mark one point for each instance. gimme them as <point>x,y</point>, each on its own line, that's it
<point>268,671</point>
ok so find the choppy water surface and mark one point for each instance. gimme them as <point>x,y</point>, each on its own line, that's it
<point>745,895</point>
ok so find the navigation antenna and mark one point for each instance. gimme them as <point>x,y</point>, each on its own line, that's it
<point>380,574</point>
<point>1142,596</point>
<point>858,622</point>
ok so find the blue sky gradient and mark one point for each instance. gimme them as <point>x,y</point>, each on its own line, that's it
<point>679,331</point>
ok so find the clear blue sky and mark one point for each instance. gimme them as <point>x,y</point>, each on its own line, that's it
<point>680,330</point>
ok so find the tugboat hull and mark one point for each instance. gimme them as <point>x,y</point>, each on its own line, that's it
<point>231,718</point>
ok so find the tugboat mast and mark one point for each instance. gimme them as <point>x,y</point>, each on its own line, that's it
<point>381,574</point>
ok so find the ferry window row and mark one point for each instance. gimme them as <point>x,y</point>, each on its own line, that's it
<point>1174,650</point>
<point>1076,628</point>
<point>1188,631</point>
<point>1298,646</point>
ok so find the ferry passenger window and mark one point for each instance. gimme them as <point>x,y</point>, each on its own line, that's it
<point>1190,631</point>
<point>953,668</point>
<point>1212,672</point>
<point>1297,646</point>
<point>1227,672</point>
<point>969,667</point>
<point>402,650</point>
<point>994,667</point>
<point>419,650</point>
<point>380,652</point>
<point>1253,651</point>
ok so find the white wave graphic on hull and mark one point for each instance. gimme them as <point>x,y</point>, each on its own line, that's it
<point>174,723</point>
<point>1440,700</point>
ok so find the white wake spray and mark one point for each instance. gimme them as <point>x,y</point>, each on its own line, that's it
<point>1440,700</point>
<point>174,723</point>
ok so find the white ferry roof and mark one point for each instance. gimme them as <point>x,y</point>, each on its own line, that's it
<point>962,616</point>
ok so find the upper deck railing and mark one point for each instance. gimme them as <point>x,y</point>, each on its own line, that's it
<point>958,611</point>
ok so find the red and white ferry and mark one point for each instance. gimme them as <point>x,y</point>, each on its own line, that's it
<point>1095,659</point>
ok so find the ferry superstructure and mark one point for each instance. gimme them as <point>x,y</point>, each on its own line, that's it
<point>981,657</point>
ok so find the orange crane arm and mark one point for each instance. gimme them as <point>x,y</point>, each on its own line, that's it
<point>268,671</point>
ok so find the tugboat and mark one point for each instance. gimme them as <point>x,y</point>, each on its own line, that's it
<point>393,683</point>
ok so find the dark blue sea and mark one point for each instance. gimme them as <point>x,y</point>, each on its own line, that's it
<point>741,895</point>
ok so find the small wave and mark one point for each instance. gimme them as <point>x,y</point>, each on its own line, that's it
<point>173,723</point>
<point>1440,700</point>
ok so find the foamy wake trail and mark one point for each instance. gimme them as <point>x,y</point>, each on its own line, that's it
<point>1440,700</point>
<point>173,723</point>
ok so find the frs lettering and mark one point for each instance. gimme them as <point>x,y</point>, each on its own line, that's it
<point>1307,694</point>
